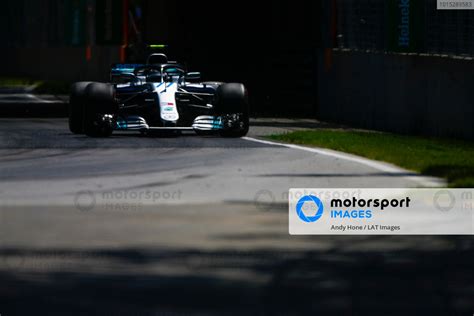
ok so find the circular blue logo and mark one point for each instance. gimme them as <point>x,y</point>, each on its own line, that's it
<point>310,199</point>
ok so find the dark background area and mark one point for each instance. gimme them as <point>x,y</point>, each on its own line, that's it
<point>269,46</point>
<point>334,60</point>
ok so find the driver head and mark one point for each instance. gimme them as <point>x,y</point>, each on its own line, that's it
<point>154,59</point>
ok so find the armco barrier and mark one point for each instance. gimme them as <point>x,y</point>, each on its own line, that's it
<point>410,94</point>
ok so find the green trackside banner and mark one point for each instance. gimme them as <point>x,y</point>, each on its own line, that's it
<point>404,25</point>
<point>75,17</point>
<point>108,22</point>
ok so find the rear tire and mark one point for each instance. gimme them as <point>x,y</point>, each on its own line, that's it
<point>76,107</point>
<point>232,102</point>
<point>100,110</point>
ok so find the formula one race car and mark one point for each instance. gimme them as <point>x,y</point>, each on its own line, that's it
<point>157,97</point>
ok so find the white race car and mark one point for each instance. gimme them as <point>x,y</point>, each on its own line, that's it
<point>158,96</point>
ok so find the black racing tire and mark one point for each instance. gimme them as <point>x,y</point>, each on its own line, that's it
<point>100,110</point>
<point>76,107</point>
<point>232,99</point>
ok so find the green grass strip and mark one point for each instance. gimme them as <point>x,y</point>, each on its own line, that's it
<point>449,159</point>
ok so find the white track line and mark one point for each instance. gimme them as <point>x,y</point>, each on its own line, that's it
<point>382,166</point>
<point>34,97</point>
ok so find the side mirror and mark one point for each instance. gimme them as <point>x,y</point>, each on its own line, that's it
<point>192,76</point>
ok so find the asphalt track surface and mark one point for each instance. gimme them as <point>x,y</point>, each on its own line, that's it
<point>198,225</point>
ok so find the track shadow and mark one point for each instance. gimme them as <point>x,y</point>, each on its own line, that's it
<point>336,281</point>
<point>452,172</point>
<point>33,110</point>
<point>295,123</point>
<point>341,175</point>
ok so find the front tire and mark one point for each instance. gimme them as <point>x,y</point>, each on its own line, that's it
<point>76,107</point>
<point>233,106</point>
<point>100,110</point>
